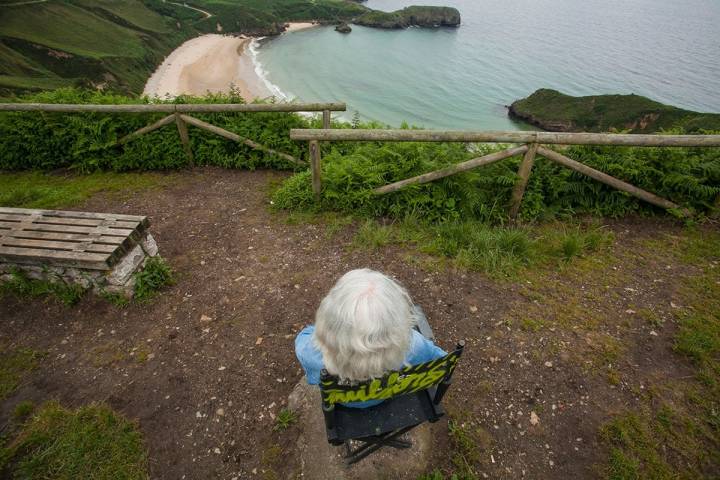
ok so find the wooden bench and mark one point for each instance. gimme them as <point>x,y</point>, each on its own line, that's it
<point>92,241</point>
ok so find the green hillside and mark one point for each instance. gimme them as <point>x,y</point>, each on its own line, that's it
<point>114,43</point>
<point>557,112</point>
<point>268,16</point>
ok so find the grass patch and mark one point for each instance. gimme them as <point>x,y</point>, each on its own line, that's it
<point>107,354</point>
<point>90,442</point>
<point>117,299</point>
<point>14,365</point>
<point>45,190</point>
<point>664,444</point>
<point>285,419</point>
<point>23,286</point>
<point>676,432</point>
<point>155,275</point>
<point>372,236</point>
<point>498,251</point>
<point>23,409</point>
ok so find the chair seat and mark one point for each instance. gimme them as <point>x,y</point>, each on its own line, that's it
<point>388,416</point>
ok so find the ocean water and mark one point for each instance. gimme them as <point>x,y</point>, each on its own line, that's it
<point>463,78</point>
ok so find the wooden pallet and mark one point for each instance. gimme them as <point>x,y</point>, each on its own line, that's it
<point>94,241</point>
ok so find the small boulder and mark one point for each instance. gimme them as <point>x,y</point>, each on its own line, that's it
<point>343,28</point>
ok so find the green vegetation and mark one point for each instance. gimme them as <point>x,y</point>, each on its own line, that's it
<point>555,111</point>
<point>86,142</point>
<point>23,286</point>
<point>60,190</point>
<point>104,43</point>
<point>676,433</point>
<point>467,442</point>
<point>268,16</point>
<point>90,442</point>
<point>411,16</point>
<point>690,177</point>
<point>285,419</point>
<point>14,365</point>
<point>23,409</point>
<point>155,274</point>
<point>498,251</point>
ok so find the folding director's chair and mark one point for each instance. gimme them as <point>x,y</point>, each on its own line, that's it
<point>411,396</point>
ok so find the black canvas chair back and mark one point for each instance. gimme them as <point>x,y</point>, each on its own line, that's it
<point>410,397</point>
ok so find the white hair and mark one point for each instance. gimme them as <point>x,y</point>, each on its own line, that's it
<point>363,327</point>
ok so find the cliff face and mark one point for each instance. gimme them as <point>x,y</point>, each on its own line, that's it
<point>411,17</point>
<point>557,112</point>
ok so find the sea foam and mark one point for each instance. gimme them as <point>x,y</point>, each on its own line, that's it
<point>261,72</point>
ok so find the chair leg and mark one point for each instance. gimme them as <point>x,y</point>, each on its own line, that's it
<point>362,452</point>
<point>373,444</point>
<point>401,444</point>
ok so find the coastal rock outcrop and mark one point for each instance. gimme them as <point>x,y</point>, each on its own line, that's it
<point>556,112</point>
<point>343,28</point>
<point>414,16</point>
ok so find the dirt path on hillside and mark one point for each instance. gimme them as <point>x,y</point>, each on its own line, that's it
<point>207,14</point>
<point>207,366</point>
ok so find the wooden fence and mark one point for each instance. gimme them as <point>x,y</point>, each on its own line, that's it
<point>178,116</point>
<point>532,144</point>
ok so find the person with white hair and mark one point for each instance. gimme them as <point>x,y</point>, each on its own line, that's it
<point>363,329</point>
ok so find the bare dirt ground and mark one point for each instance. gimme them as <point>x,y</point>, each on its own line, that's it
<point>207,365</point>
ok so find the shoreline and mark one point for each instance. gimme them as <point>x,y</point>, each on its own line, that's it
<point>215,63</point>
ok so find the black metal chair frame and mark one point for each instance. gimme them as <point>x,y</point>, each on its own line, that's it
<point>382,425</point>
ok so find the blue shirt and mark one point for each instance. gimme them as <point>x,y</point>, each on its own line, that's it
<point>421,350</point>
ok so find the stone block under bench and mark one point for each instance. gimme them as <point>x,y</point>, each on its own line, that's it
<point>100,251</point>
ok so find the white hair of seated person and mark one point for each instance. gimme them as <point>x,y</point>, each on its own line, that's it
<point>363,327</point>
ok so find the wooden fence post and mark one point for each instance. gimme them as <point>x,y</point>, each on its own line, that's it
<point>315,168</point>
<point>184,137</point>
<point>326,119</point>
<point>524,174</point>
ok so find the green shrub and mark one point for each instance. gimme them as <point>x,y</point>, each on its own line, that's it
<point>86,141</point>
<point>20,284</point>
<point>285,419</point>
<point>155,275</point>
<point>688,176</point>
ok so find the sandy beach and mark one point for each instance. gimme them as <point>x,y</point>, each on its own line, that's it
<point>295,26</point>
<point>211,63</point>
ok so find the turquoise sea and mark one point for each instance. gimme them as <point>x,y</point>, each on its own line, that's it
<point>462,78</point>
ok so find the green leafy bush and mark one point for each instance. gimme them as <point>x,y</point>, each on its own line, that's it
<point>155,275</point>
<point>86,141</point>
<point>687,176</point>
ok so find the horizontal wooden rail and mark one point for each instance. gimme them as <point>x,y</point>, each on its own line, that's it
<point>174,108</point>
<point>548,138</point>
